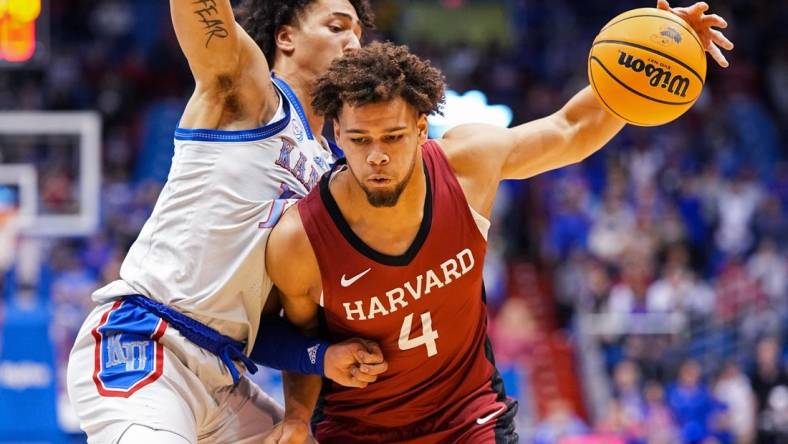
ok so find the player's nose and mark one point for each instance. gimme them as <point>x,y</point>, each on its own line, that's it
<point>377,158</point>
<point>352,43</point>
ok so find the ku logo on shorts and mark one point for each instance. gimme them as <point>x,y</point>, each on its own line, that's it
<point>128,354</point>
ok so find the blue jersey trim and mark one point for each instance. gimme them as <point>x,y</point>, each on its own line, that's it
<point>251,135</point>
<point>290,94</point>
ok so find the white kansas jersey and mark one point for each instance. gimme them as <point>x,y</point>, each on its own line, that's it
<point>202,249</point>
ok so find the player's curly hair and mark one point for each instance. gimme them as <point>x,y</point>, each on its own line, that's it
<point>262,18</point>
<point>377,73</point>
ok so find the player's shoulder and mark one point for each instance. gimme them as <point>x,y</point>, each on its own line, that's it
<point>290,260</point>
<point>474,153</point>
<point>289,233</point>
<point>470,148</point>
<point>466,131</point>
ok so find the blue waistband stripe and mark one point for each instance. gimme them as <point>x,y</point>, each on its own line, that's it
<point>225,347</point>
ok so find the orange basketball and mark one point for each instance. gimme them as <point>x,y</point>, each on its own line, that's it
<point>647,66</point>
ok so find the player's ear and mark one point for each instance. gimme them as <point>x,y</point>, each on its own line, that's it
<point>423,127</point>
<point>336,129</point>
<point>284,40</point>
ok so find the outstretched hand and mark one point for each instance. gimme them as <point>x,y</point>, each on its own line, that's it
<point>702,23</point>
<point>354,363</point>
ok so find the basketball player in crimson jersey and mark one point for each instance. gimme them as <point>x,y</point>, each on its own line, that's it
<point>408,219</point>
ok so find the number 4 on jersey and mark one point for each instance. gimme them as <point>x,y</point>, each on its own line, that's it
<point>427,338</point>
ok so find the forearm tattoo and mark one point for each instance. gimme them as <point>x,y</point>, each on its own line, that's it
<point>209,17</point>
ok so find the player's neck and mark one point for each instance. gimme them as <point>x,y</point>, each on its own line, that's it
<point>389,230</point>
<point>301,84</point>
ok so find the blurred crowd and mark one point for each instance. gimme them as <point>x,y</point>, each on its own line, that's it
<point>688,218</point>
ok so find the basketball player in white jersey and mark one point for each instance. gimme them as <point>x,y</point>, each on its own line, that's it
<point>161,358</point>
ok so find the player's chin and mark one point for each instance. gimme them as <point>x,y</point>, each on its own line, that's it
<point>382,199</point>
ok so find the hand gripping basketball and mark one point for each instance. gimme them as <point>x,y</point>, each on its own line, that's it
<point>702,23</point>
<point>648,65</point>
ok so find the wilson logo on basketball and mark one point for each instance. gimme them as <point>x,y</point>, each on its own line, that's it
<point>658,77</point>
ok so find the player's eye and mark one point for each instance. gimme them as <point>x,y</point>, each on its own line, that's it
<point>335,28</point>
<point>392,139</point>
<point>359,140</point>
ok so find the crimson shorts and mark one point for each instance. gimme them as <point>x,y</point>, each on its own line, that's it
<point>479,422</point>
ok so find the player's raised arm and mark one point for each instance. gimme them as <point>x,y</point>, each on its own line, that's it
<point>577,130</point>
<point>233,88</point>
<point>568,136</point>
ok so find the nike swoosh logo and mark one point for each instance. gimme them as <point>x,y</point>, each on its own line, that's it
<point>486,419</point>
<point>345,282</point>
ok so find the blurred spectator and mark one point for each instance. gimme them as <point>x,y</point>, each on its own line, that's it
<point>736,205</point>
<point>774,420</point>
<point>622,423</point>
<point>514,336</point>
<point>771,223</point>
<point>670,227</point>
<point>583,282</point>
<point>514,332</point>
<point>559,423</point>
<point>738,294</point>
<point>769,269</point>
<point>700,300</point>
<point>629,295</point>
<point>770,384</point>
<point>613,222</point>
<point>570,225</point>
<point>680,289</point>
<point>691,404</point>
<point>571,279</point>
<point>643,241</point>
<point>658,424</point>
<point>598,287</point>
<point>627,390</point>
<point>733,389</point>
<point>645,162</point>
<point>671,291</point>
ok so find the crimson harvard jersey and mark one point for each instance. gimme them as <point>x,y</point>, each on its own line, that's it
<point>426,310</point>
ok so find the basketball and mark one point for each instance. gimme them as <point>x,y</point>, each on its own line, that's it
<point>647,66</point>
